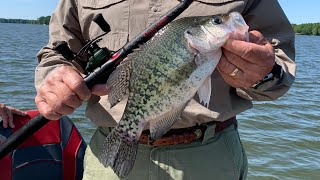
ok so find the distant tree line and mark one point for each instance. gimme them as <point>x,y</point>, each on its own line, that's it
<point>40,20</point>
<point>307,29</point>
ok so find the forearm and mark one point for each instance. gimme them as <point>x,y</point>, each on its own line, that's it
<point>268,18</point>
<point>48,62</point>
<point>63,26</point>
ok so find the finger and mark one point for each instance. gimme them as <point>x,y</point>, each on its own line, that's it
<point>58,95</point>
<point>10,118</point>
<point>57,105</point>
<point>17,111</point>
<point>249,51</point>
<point>76,83</point>
<point>5,117</point>
<point>45,109</point>
<point>230,80</point>
<point>257,38</point>
<point>59,91</point>
<point>62,94</point>
<point>100,89</point>
<point>227,67</point>
<point>237,81</point>
<point>245,66</point>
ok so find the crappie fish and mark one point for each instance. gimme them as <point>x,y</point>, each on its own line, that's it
<point>161,77</point>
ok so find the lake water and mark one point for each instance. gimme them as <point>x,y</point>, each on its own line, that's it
<point>281,138</point>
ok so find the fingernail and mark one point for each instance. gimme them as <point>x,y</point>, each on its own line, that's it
<point>87,98</point>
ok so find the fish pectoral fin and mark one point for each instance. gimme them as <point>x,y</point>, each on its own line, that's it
<point>212,58</point>
<point>119,82</point>
<point>119,154</point>
<point>161,125</point>
<point>204,92</point>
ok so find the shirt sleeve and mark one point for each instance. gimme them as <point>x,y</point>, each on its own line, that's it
<point>268,18</point>
<point>64,26</point>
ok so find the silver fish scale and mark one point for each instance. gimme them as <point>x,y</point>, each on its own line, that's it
<point>158,79</point>
<point>161,78</point>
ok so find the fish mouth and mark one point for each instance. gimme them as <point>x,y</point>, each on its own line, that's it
<point>238,27</point>
<point>192,49</point>
<point>234,27</point>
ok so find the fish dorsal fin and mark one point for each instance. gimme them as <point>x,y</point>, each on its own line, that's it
<point>119,82</point>
<point>162,124</point>
<point>120,78</point>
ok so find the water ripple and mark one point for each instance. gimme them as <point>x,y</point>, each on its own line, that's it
<point>281,138</point>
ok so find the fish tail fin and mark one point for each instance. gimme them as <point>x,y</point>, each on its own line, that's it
<point>119,154</point>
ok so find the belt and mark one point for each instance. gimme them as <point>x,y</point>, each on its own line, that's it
<point>184,135</point>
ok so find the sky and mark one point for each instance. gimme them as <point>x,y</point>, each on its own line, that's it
<point>26,9</point>
<point>297,11</point>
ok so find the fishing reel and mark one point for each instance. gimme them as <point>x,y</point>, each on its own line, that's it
<point>96,56</point>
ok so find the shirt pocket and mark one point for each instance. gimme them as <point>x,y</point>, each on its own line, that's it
<point>98,3</point>
<point>215,1</point>
<point>211,7</point>
<point>114,40</point>
<point>115,12</point>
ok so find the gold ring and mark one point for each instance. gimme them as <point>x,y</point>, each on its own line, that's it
<point>234,72</point>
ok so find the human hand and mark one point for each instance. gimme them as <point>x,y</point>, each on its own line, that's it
<point>7,112</point>
<point>243,63</point>
<point>63,91</point>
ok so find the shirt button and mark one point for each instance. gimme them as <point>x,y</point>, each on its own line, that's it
<point>154,9</point>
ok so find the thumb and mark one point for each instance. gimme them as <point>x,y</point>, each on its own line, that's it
<point>100,89</point>
<point>257,38</point>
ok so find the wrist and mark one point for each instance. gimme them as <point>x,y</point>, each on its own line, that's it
<point>275,73</point>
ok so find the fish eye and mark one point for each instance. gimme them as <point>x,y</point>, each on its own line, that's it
<point>217,20</point>
<point>189,32</point>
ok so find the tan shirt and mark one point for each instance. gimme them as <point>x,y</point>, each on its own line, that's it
<point>72,22</point>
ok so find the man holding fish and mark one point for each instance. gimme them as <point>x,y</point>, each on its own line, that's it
<point>169,110</point>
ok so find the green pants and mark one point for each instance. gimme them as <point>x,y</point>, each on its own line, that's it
<point>218,156</point>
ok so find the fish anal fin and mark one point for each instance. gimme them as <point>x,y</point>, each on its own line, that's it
<point>119,82</point>
<point>162,124</point>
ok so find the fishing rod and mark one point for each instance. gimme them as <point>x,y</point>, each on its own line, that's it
<point>98,72</point>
